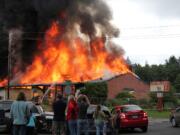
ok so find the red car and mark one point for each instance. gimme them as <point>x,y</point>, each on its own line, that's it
<point>131,116</point>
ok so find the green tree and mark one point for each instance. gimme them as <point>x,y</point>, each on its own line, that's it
<point>143,72</point>
<point>172,68</point>
<point>177,83</point>
<point>124,95</point>
<point>158,73</point>
<point>97,92</point>
<point>153,98</point>
<point>167,71</point>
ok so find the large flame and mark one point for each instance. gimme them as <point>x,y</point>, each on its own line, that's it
<point>74,59</point>
<point>3,82</point>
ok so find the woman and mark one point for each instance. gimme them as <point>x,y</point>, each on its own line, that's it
<point>20,114</point>
<point>72,115</point>
<point>99,118</point>
<point>31,125</point>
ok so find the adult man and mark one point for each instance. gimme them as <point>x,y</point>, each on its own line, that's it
<point>82,124</point>
<point>59,108</point>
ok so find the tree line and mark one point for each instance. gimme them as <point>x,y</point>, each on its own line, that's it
<point>169,71</point>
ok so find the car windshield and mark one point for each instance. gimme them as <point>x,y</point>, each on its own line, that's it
<point>131,108</point>
<point>5,105</point>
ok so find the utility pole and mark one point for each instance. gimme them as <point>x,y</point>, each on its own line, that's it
<point>9,68</point>
<point>14,54</point>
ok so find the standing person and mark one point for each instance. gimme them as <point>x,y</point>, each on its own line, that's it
<point>31,126</point>
<point>72,115</point>
<point>117,121</point>
<point>59,123</point>
<point>82,123</point>
<point>20,114</point>
<point>99,118</point>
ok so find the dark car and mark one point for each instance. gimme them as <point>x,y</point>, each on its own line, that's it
<point>43,119</point>
<point>38,113</point>
<point>175,117</point>
<point>90,111</point>
<point>5,121</point>
<point>132,116</point>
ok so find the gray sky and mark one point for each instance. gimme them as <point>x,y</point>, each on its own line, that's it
<point>149,29</point>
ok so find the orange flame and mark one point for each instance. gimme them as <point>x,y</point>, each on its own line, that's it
<point>3,82</point>
<point>76,60</point>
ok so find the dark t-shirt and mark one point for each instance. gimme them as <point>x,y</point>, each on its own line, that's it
<point>82,110</point>
<point>59,108</point>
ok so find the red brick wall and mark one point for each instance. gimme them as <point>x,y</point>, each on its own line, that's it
<point>117,84</point>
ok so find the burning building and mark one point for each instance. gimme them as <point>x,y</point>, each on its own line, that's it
<point>61,40</point>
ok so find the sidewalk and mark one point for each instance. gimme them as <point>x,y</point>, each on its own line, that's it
<point>158,120</point>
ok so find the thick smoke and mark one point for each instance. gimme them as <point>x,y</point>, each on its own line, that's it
<point>91,13</point>
<point>35,16</point>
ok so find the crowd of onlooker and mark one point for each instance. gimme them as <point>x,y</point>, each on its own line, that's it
<point>70,116</point>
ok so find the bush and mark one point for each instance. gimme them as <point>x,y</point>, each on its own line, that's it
<point>112,102</point>
<point>118,101</point>
<point>124,95</point>
<point>144,103</point>
<point>169,105</point>
<point>97,92</point>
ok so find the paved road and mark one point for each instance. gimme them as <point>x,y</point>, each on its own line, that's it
<point>156,127</point>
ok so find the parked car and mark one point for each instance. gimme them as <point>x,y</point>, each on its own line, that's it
<point>43,122</point>
<point>175,117</point>
<point>132,116</point>
<point>5,121</point>
<point>90,111</point>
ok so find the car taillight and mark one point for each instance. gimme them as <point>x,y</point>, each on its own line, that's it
<point>145,115</point>
<point>123,116</point>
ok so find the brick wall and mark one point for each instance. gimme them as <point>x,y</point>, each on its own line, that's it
<point>117,84</point>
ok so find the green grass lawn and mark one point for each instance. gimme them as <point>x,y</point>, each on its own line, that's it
<point>157,114</point>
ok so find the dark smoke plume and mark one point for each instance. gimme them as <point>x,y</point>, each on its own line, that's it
<point>35,16</point>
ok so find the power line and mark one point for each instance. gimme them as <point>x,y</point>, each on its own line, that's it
<point>123,28</point>
<point>152,27</point>
<point>151,36</point>
<point>122,37</point>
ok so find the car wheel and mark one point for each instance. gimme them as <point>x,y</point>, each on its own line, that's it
<point>173,122</point>
<point>144,129</point>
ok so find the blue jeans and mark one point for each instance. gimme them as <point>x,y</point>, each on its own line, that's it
<point>99,128</point>
<point>82,127</point>
<point>19,129</point>
<point>72,127</point>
